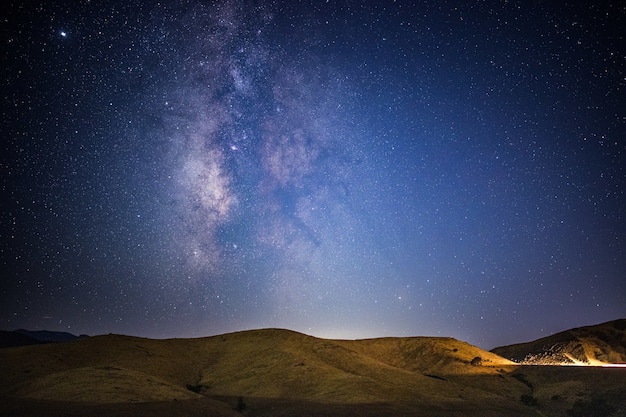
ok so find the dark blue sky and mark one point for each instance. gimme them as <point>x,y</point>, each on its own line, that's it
<point>344,169</point>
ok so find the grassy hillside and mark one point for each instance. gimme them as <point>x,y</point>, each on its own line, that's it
<point>590,345</point>
<point>280,372</point>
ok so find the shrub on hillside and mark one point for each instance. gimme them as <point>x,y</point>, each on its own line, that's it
<point>529,400</point>
<point>477,361</point>
<point>195,388</point>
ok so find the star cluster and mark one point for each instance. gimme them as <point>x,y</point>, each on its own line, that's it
<point>347,170</point>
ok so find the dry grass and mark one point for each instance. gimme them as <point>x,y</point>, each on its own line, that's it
<point>104,385</point>
<point>279,372</point>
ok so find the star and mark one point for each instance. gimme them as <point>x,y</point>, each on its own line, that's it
<point>347,152</point>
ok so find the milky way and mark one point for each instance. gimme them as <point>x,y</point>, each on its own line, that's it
<point>345,170</point>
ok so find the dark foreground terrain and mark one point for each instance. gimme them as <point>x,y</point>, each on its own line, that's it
<point>276,372</point>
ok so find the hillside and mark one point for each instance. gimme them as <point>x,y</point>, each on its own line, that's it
<point>13,339</point>
<point>590,345</point>
<point>46,336</point>
<point>281,373</point>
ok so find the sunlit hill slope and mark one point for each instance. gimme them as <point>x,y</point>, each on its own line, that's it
<point>590,345</point>
<point>279,373</point>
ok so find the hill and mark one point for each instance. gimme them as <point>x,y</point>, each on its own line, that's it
<point>47,336</point>
<point>600,344</point>
<point>284,373</point>
<point>23,337</point>
<point>13,339</point>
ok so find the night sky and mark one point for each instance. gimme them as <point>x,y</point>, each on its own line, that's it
<point>342,169</point>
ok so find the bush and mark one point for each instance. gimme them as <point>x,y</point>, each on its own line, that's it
<point>195,388</point>
<point>477,361</point>
<point>529,400</point>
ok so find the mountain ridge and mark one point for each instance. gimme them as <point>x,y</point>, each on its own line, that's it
<point>23,337</point>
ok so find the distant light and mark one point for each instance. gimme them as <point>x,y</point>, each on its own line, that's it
<point>614,365</point>
<point>63,34</point>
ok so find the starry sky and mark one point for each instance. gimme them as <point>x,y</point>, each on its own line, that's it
<point>344,169</point>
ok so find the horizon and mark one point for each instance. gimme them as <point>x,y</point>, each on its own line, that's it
<point>399,169</point>
<point>308,334</point>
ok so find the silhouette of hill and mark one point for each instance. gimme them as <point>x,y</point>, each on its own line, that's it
<point>23,337</point>
<point>284,373</point>
<point>13,339</point>
<point>47,336</point>
<point>600,344</point>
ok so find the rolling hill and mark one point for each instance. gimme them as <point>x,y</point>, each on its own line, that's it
<point>590,345</point>
<point>284,373</point>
